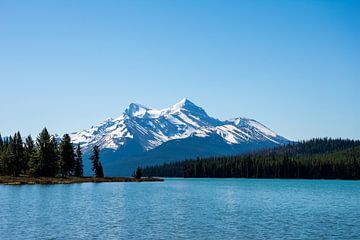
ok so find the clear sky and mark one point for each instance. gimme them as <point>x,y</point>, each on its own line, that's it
<point>292,65</point>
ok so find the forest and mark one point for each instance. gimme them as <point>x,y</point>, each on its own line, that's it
<point>313,159</point>
<point>45,157</point>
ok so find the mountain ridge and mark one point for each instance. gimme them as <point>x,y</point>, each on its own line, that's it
<point>146,129</point>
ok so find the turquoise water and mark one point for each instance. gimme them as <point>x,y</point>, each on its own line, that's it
<point>183,209</point>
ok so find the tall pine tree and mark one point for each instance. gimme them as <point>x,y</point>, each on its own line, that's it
<point>11,161</point>
<point>1,143</point>
<point>7,157</point>
<point>100,172</point>
<point>19,153</point>
<point>67,156</point>
<point>138,173</point>
<point>96,164</point>
<point>29,152</point>
<point>78,171</point>
<point>44,161</point>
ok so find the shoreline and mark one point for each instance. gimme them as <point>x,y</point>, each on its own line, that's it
<point>26,180</point>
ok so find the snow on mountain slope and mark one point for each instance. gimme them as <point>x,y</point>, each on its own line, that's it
<point>152,127</point>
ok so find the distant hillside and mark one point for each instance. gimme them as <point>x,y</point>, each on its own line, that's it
<point>313,159</point>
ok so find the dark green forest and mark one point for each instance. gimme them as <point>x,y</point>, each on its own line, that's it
<point>44,157</point>
<point>314,159</point>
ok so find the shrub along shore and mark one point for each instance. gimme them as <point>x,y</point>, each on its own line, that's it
<point>10,180</point>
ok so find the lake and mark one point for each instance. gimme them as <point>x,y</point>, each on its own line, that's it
<point>183,209</point>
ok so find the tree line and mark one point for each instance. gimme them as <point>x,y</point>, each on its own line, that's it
<point>313,159</point>
<point>44,157</point>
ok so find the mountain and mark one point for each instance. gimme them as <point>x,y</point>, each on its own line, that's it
<point>144,136</point>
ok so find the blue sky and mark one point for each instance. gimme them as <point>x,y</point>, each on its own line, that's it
<point>292,65</point>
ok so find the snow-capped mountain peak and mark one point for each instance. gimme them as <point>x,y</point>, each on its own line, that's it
<point>253,124</point>
<point>183,104</point>
<point>151,128</point>
<point>136,110</point>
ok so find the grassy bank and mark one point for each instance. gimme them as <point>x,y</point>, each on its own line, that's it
<point>8,180</point>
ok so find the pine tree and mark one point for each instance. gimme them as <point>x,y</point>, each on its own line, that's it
<point>3,157</point>
<point>34,163</point>
<point>8,159</point>
<point>96,164</point>
<point>79,172</point>
<point>44,161</point>
<point>138,173</point>
<point>100,172</point>
<point>11,161</point>
<point>29,152</point>
<point>67,156</point>
<point>95,159</point>
<point>1,143</point>
<point>19,153</point>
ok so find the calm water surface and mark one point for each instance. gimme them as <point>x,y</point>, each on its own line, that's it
<point>183,209</point>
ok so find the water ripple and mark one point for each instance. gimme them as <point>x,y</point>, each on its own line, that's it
<point>183,209</point>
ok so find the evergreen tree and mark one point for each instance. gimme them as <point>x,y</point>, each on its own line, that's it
<point>96,164</point>
<point>12,164</point>
<point>138,173</point>
<point>95,159</point>
<point>1,143</point>
<point>44,161</point>
<point>3,155</point>
<point>67,156</point>
<point>8,159</point>
<point>100,171</point>
<point>19,153</point>
<point>79,172</point>
<point>34,163</point>
<point>29,152</point>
